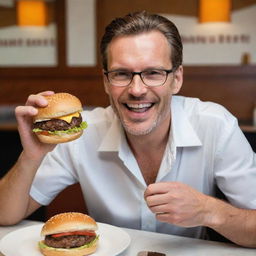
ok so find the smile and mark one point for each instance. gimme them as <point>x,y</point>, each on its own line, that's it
<point>139,108</point>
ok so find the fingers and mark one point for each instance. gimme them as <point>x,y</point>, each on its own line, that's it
<point>38,99</point>
<point>157,188</point>
<point>156,197</point>
<point>45,93</point>
<point>155,200</point>
<point>162,198</point>
<point>159,209</point>
<point>33,101</point>
<point>25,111</point>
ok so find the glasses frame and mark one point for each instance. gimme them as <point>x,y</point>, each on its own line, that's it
<point>167,72</point>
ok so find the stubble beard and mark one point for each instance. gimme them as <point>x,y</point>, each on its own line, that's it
<point>139,131</point>
<point>131,130</point>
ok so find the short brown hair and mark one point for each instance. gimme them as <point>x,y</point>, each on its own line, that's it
<point>139,22</point>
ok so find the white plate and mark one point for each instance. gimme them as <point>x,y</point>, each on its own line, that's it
<point>23,242</point>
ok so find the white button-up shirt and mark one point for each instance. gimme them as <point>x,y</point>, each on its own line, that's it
<point>206,148</point>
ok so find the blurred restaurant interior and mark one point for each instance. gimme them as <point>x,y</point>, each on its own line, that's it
<point>57,48</point>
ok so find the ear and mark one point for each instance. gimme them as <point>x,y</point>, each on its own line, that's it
<point>105,81</point>
<point>177,80</point>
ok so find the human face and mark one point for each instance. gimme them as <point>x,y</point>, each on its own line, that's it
<point>142,109</point>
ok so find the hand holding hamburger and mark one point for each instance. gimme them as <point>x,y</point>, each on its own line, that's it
<point>60,121</point>
<point>69,234</point>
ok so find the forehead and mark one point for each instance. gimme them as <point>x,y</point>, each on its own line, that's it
<point>148,49</point>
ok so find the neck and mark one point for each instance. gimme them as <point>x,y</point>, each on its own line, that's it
<point>149,150</point>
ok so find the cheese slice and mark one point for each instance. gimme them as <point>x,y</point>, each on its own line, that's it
<point>68,118</point>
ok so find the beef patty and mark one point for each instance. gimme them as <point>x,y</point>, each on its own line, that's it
<point>58,124</point>
<point>71,241</point>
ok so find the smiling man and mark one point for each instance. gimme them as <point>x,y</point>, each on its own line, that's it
<point>151,160</point>
<point>140,80</point>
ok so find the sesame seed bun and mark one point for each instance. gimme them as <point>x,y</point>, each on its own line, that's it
<point>69,221</point>
<point>69,252</point>
<point>59,104</point>
<point>56,139</point>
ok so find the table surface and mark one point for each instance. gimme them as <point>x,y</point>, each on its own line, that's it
<point>168,244</point>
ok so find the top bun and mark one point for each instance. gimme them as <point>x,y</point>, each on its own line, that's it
<point>67,222</point>
<point>59,104</point>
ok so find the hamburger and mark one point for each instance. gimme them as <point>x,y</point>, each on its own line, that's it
<point>60,121</point>
<point>69,234</point>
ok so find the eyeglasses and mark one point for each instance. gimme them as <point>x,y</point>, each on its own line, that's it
<point>150,77</point>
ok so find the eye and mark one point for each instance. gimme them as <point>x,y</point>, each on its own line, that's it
<point>153,74</point>
<point>120,75</point>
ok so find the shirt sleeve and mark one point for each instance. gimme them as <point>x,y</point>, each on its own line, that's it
<point>235,166</point>
<point>54,174</point>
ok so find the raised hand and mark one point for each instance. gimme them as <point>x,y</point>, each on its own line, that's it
<point>32,147</point>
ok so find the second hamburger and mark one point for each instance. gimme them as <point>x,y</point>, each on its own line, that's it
<point>69,234</point>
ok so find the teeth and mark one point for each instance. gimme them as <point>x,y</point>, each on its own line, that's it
<point>142,105</point>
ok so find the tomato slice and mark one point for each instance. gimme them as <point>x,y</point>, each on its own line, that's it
<point>81,233</point>
<point>44,133</point>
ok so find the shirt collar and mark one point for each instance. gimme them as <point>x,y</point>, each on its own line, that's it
<point>183,133</point>
<point>112,139</point>
<point>115,141</point>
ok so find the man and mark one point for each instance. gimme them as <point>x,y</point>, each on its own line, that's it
<point>150,161</point>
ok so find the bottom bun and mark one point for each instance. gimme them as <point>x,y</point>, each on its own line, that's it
<point>69,252</point>
<point>56,139</point>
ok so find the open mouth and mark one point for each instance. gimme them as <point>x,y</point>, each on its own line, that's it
<point>139,108</point>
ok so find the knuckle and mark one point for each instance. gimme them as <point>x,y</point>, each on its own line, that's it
<point>17,109</point>
<point>31,96</point>
<point>149,188</point>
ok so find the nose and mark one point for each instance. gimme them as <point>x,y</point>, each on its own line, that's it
<point>137,87</point>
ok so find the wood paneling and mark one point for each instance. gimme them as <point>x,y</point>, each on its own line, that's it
<point>238,4</point>
<point>231,86</point>
<point>89,89</point>
<point>8,16</point>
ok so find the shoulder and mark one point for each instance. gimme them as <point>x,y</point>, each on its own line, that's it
<point>197,110</point>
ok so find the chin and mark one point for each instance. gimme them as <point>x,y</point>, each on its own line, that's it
<point>138,130</point>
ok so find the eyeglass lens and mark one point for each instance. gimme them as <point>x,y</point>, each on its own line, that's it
<point>152,77</point>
